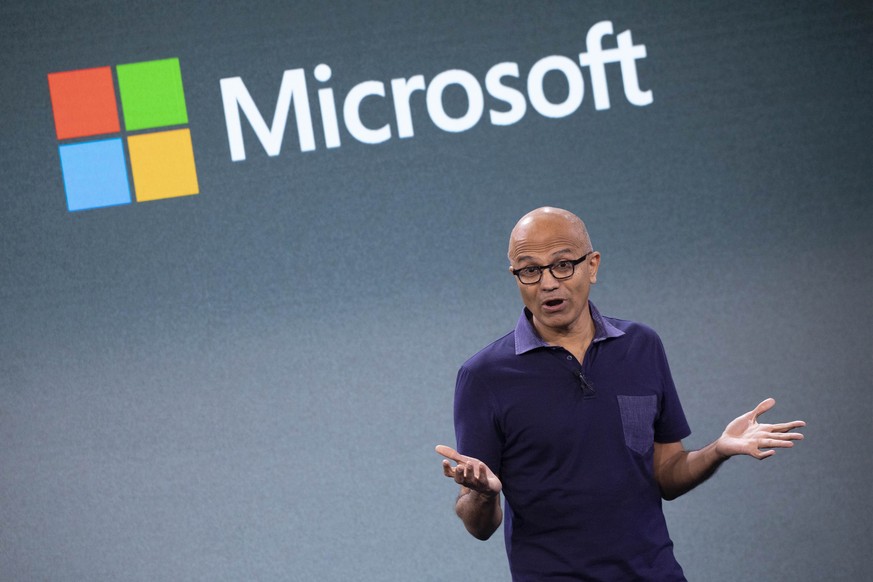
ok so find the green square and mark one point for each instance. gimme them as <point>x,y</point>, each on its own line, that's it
<point>152,94</point>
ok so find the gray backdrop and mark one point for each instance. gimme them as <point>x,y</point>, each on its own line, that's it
<point>247,384</point>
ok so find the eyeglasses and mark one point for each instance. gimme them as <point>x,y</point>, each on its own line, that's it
<point>560,270</point>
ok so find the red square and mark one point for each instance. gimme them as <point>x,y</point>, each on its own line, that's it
<point>84,102</point>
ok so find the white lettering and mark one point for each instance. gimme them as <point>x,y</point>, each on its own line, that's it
<point>576,86</point>
<point>401,89</point>
<point>510,103</point>
<point>515,98</point>
<point>475,100</point>
<point>626,54</point>
<point>235,97</point>
<point>352,113</point>
<point>328,108</point>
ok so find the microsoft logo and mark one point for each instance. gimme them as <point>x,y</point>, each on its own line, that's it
<point>94,151</point>
<point>151,157</point>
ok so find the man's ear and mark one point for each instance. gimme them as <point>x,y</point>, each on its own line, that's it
<point>593,265</point>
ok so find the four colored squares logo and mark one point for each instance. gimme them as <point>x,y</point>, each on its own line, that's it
<point>94,159</point>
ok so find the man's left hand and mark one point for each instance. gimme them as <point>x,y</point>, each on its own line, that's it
<point>745,436</point>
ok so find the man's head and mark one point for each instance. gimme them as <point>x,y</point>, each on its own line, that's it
<point>548,236</point>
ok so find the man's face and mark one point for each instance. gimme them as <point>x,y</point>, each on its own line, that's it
<point>557,305</point>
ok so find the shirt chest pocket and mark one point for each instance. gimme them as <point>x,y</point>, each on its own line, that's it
<point>638,421</point>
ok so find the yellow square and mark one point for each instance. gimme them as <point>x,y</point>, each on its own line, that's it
<point>163,165</point>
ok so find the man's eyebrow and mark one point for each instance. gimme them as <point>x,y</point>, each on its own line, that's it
<point>523,258</point>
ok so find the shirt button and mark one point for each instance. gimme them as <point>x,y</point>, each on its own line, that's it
<point>569,357</point>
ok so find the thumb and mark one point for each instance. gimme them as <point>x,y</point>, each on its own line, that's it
<point>449,453</point>
<point>764,407</point>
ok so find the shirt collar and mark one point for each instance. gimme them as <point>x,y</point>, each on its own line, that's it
<point>527,338</point>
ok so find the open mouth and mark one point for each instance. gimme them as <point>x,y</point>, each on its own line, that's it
<point>553,303</point>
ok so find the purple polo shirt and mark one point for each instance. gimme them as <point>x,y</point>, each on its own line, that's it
<point>572,446</point>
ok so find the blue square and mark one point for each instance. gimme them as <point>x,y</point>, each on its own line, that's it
<point>95,174</point>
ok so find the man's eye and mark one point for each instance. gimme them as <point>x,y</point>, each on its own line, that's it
<point>530,271</point>
<point>563,265</point>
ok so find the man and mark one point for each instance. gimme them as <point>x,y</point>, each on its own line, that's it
<point>575,418</point>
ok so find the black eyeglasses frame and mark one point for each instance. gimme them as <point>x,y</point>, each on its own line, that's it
<point>517,272</point>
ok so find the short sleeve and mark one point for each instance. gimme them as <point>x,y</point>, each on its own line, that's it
<point>476,420</point>
<point>671,425</point>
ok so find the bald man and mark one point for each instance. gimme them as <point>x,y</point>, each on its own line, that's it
<point>574,418</point>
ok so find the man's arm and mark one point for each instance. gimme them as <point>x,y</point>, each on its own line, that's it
<point>678,471</point>
<point>478,503</point>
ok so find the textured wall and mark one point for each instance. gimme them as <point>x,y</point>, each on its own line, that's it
<point>247,384</point>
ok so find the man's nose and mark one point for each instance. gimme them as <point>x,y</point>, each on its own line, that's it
<point>548,281</point>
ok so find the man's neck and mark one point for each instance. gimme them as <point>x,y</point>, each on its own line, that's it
<point>575,339</point>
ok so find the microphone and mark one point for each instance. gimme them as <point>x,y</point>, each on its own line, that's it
<point>587,386</point>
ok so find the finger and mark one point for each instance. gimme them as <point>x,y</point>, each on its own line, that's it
<point>761,455</point>
<point>773,443</point>
<point>449,453</point>
<point>786,436</point>
<point>783,428</point>
<point>448,470</point>
<point>461,474</point>
<point>784,441</point>
<point>786,426</point>
<point>763,407</point>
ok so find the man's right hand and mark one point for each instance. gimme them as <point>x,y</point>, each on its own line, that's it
<point>470,473</point>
